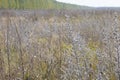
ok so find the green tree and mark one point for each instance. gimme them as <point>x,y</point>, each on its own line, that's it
<point>21,4</point>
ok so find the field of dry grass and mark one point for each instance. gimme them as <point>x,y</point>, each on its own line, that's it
<point>60,45</point>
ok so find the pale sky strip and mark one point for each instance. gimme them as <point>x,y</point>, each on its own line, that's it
<point>94,3</point>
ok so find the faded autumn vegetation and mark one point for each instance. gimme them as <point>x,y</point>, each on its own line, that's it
<point>60,45</point>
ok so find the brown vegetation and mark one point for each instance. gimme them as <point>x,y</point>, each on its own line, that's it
<point>64,45</point>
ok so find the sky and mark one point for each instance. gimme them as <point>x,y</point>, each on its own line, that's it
<point>94,3</point>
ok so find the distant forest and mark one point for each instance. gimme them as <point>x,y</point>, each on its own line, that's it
<point>35,4</point>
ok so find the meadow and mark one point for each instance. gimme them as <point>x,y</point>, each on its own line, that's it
<point>60,44</point>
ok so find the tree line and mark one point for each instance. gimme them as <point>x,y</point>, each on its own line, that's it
<point>34,4</point>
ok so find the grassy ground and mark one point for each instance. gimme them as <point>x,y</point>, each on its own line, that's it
<point>59,45</point>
